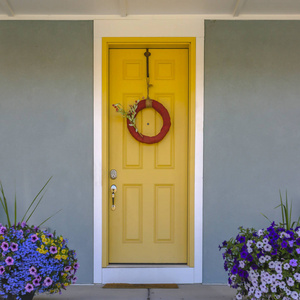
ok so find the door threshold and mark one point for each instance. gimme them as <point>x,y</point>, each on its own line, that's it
<point>147,266</point>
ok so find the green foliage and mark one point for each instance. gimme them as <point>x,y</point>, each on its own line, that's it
<point>34,204</point>
<point>286,213</point>
<point>130,114</point>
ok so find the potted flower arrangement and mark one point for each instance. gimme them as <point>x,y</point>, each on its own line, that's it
<point>264,264</point>
<point>32,260</point>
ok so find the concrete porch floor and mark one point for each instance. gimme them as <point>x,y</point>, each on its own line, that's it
<point>185,292</point>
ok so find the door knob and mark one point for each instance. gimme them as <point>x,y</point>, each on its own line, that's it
<point>113,189</point>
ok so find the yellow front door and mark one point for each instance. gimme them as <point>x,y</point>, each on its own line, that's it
<point>149,223</point>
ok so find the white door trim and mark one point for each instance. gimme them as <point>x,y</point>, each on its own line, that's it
<point>186,27</point>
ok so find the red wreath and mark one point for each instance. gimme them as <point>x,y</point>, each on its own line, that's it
<point>165,128</point>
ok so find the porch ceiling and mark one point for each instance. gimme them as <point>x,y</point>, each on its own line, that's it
<point>130,8</point>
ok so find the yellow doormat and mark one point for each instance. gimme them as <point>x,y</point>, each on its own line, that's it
<point>140,286</point>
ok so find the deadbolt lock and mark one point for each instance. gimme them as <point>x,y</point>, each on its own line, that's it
<point>113,174</point>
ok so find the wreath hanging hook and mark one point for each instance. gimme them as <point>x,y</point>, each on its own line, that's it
<point>147,54</point>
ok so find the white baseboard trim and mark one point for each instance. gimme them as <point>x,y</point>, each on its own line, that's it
<point>148,275</point>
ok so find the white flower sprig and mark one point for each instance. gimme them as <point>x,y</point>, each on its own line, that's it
<point>130,114</point>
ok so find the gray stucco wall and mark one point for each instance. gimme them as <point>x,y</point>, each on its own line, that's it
<point>251,128</point>
<point>46,125</point>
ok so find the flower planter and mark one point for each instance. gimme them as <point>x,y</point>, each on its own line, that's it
<point>264,264</point>
<point>32,261</point>
<point>28,296</point>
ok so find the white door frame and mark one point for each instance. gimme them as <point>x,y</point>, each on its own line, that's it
<point>175,26</point>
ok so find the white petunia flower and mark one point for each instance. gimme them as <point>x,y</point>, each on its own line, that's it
<point>294,295</point>
<point>297,276</point>
<point>276,283</point>
<point>288,292</point>
<point>239,297</point>
<point>268,257</point>
<point>262,259</point>
<point>260,232</point>
<point>290,281</point>
<point>257,294</point>
<point>249,243</point>
<point>249,250</point>
<point>254,283</point>
<point>265,241</point>
<point>286,266</point>
<point>279,276</point>
<point>269,280</point>
<point>278,269</point>
<point>271,265</point>
<point>259,245</point>
<point>264,288</point>
<point>267,247</point>
<point>241,264</point>
<point>282,284</point>
<point>278,263</point>
<point>273,289</point>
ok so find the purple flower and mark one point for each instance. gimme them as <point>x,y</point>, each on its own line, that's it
<point>68,268</point>
<point>23,224</point>
<point>74,279</point>
<point>3,230</point>
<point>76,266</point>
<point>244,254</point>
<point>2,270</point>
<point>14,247</point>
<point>34,238</point>
<point>53,250</point>
<point>243,273</point>
<point>298,250</point>
<point>249,257</point>
<point>242,239</point>
<point>32,271</point>
<point>29,288</point>
<point>284,244</point>
<point>234,269</point>
<point>50,235</point>
<point>9,261</point>
<point>36,282</point>
<point>48,281</point>
<point>293,262</point>
<point>274,252</point>
<point>4,246</point>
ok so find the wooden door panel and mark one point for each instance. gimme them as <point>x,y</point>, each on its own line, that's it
<point>149,224</point>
